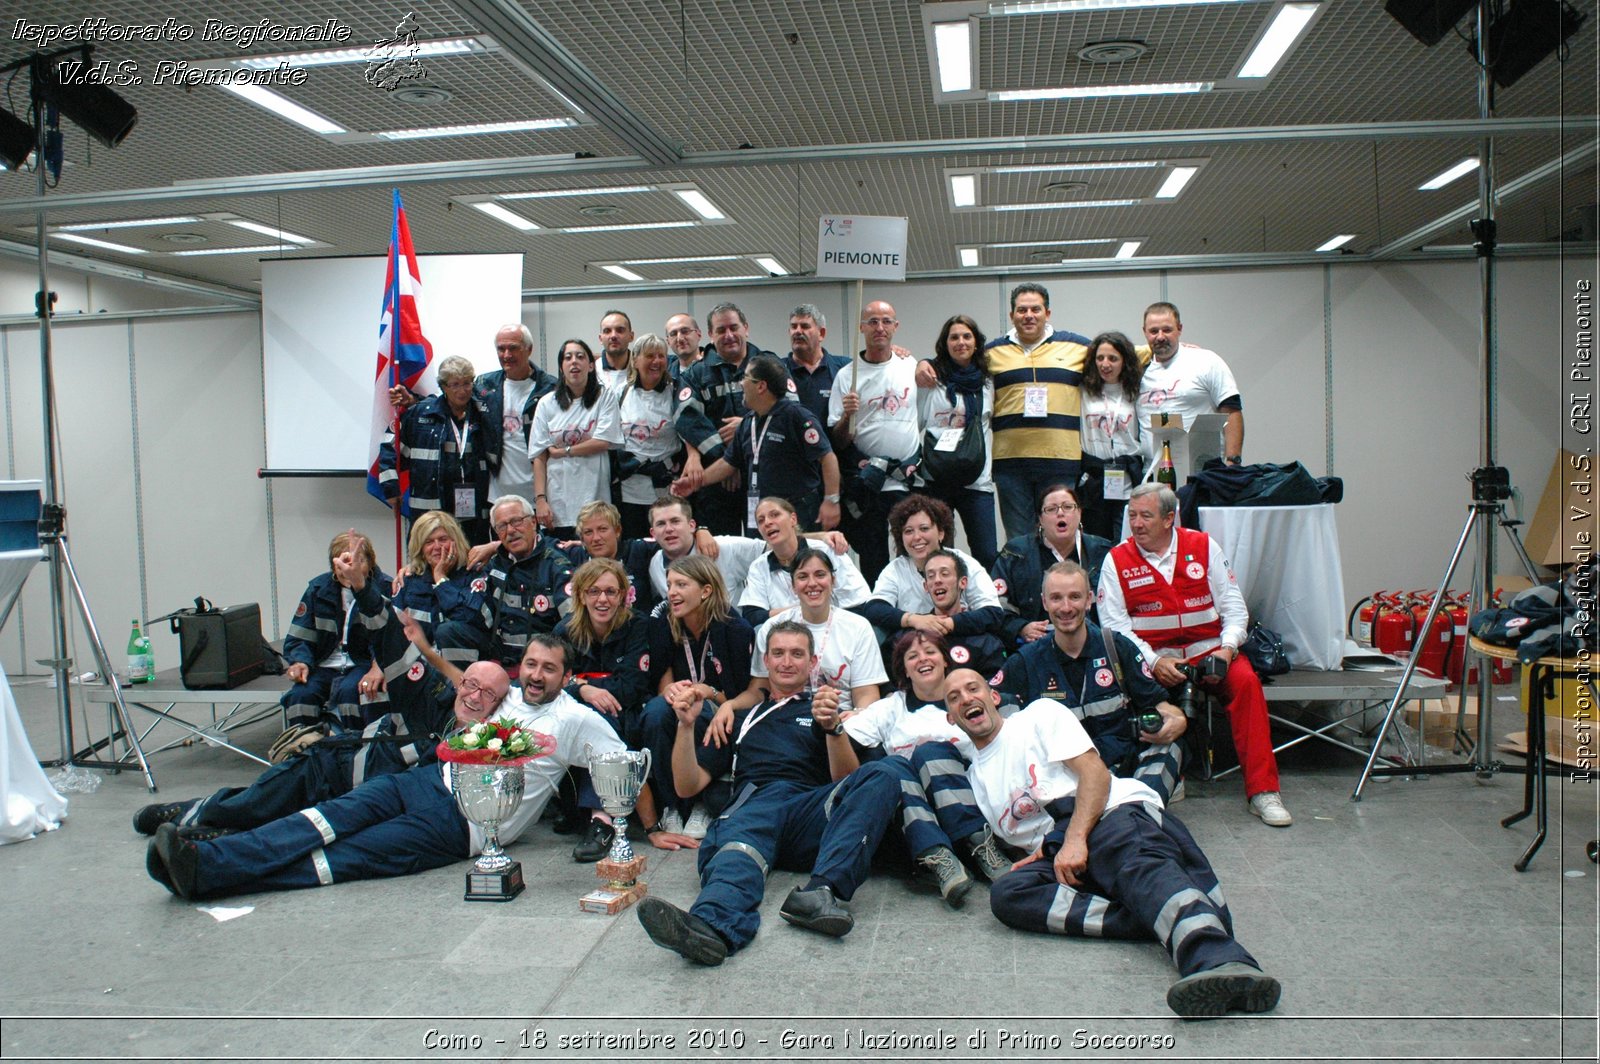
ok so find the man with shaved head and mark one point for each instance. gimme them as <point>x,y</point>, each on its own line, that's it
<point>1104,859</point>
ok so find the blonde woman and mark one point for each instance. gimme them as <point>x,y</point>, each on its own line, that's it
<point>448,600</point>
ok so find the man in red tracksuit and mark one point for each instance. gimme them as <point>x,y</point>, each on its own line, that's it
<point>1173,593</point>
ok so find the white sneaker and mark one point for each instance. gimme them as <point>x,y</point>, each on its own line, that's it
<point>1268,805</point>
<point>699,823</point>
<point>671,822</point>
<point>1178,794</point>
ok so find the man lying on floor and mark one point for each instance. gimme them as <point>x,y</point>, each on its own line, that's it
<point>1104,859</point>
<point>399,823</point>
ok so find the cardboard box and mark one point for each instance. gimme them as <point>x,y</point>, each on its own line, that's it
<point>1555,537</point>
<point>1436,719</point>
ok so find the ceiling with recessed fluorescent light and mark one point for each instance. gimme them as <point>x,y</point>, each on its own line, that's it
<point>631,143</point>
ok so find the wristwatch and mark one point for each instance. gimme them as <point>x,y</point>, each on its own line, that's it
<point>1234,459</point>
<point>838,729</point>
<point>831,498</point>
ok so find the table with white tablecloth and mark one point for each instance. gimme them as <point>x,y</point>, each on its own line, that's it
<point>31,804</point>
<point>1287,561</point>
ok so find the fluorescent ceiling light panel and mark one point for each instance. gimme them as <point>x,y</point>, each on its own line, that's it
<point>530,125</point>
<point>181,219</point>
<point>1050,168</point>
<point>623,272</point>
<point>1460,169</point>
<point>964,190</point>
<point>334,56</point>
<point>771,265</point>
<point>104,244</point>
<point>1175,182</point>
<point>703,280</point>
<point>276,234</point>
<point>285,108</point>
<point>1048,243</point>
<point>1083,92</point>
<point>1337,242</point>
<point>687,258</point>
<point>500,214</point>
<point>1062,206</point>
<point>952,43</point>
<point>697,201</point>
<point>259,249</point>
<point>969,257</point>
<point>1128,249</point>
<point>558,193</point>
<point>619,226</point>
<point>1287,26</point>
<point>1066,7</point>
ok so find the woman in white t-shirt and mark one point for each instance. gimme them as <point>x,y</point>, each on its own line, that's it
<point>914,714</point>
<point>843,643</point>
<point>1109,423</point>
<point>769,588</point>
<point>647,461</point>
<point>574,428</point>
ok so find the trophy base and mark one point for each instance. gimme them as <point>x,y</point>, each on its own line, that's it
<point>611,901</point>
<point>623,872</point>
<point>494,886</point>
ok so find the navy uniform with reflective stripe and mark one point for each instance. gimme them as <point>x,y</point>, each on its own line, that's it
<point>428,445</point>
<point>454,613</point>
<point>1088,686</point>
<point>321,625</point>
<point>708,392</point>
<point>619,664</point>
<point>790,464</point>
<point>422,704</point>
<point>813,388</point>
<point>527,596</point>
<point>787,812</point>
<point>1021,565</point>
<point>489,393</point>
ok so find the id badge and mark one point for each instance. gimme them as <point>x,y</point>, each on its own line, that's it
<point>1035,401</point>
<point>466,503</point>
<point>750,503</point>
<point>1116,485</point>
<point>949,439</point>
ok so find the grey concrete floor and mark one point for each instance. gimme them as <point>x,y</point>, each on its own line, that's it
<point>1397,925</point>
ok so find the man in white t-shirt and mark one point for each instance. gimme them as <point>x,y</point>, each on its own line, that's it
<point>673,527</point>
<point>872,417</point>
<point>1188,380</point>
<point>1104,859</point>
<point>508,396</point>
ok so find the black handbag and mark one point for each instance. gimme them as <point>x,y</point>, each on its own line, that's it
<point>1263,648</point>
<point>957,468</point>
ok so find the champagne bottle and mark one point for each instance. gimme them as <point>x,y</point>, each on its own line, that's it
<point>141,662</point>
<point>1165,472</point>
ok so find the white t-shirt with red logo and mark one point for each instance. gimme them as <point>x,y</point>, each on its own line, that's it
<point>581,479</point>
<point>1023,769</point>
<point>846,650</point>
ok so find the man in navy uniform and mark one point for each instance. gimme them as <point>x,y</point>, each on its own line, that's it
<point>528,579</point>
<point>779,449</point>
<point>812,367</point>
<point>800,802</point>
<point>710,408</point>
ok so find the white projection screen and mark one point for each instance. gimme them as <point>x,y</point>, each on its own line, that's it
<point>319,337</point>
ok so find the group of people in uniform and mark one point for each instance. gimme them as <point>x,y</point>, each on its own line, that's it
<point>747,564</point>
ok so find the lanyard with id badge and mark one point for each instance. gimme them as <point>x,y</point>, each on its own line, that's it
<point>1035,396</point>
<point>466,498</point>
<point>753,496</point>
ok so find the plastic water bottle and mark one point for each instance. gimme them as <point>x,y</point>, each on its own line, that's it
<point>141,662</point>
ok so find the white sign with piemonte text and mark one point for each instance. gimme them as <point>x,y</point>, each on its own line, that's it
<point>865,247</point>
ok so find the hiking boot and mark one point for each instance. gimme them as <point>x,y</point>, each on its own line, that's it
<point>150,817</point>
<point>1234,986</point>
<point>986,853</point>
<point>946,867</point>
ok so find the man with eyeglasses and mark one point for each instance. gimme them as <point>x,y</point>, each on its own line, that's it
<point>529,579</point>
<point>401,822</point>
<point>779,449</point>
<point>683,345</point>
<point>1019,570</point>
<point>872,414</point>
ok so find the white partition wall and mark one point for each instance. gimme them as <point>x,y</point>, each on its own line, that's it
<point>175,405</point>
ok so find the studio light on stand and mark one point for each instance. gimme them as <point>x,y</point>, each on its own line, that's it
<point>109,119</point>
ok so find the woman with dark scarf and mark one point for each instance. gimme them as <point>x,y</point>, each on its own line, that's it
<point>962,394</point>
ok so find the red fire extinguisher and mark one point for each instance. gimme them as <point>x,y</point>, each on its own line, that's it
<point>1392,626</point>
<point>1433,645</point>
<point>1457,612</point>
<point>1500,672</point>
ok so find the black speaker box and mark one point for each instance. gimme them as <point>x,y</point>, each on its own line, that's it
<point>219,648</point>
<point>1429,20</point>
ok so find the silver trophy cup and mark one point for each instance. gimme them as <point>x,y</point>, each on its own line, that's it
<point>618,778</point>
<point>486,796</point>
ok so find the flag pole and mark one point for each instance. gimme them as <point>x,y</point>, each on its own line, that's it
<point>855,353</point>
